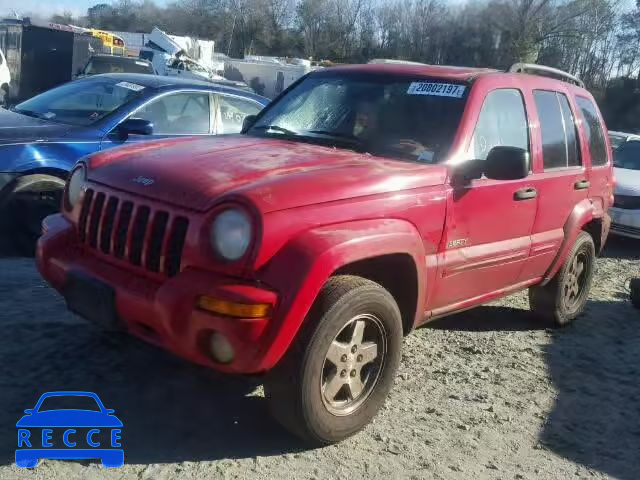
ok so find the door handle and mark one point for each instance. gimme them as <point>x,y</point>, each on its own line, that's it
<point>525,194</point>
<point>581,184</point>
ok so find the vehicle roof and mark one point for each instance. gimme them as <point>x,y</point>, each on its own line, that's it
<point>441,71</point>
<point>626,135</point>
<point>161,82</point>
<point>462,74</point>
<point>119,57</point>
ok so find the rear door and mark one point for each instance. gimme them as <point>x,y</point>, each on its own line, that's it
<point>601,181</point>
<point>231,111</point>
<point>488,221</point>
<point>560,175</point>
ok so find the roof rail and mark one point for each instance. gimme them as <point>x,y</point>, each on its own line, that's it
<point>545,71</point>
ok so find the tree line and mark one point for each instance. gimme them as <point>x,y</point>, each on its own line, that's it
<point>597,40</point>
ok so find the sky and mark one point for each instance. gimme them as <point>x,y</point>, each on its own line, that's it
<point>46,8</point>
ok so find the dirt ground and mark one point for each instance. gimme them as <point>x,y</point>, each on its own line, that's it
<point>490,394</point>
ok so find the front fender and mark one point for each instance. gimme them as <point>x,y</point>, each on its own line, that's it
<point>582,213</point>
<point>27,157</point>
<point>300,269</point>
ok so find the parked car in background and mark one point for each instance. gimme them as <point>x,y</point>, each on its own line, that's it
<point>618,138</point>
<point>42,138</point>
<point>365,201</point>
<point>625,213</point>
<point>99,64</point>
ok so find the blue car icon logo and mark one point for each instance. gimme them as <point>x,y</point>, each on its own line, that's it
<point>54,430</point>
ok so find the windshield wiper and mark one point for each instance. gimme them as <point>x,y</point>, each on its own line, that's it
<point>30,113</point>
<point>276,128</point>
<point>340,136</point>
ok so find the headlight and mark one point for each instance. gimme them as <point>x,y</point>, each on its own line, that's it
<point>74,188</point>
<point>231,234</point>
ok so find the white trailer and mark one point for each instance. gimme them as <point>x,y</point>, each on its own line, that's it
<point>266,76</point>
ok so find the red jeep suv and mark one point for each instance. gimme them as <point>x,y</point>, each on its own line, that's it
<point>363,202</point>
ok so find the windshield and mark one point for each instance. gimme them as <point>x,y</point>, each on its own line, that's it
<point>98,65</point>
<point>400,117</point>
<point>82,102</point>
<point>627,156</point>
<point>69,402</point>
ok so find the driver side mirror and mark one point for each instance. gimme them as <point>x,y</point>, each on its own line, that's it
<point>248,122</point>
<point>507,163</point>
<point>502,163</point>
<point>135,126</point>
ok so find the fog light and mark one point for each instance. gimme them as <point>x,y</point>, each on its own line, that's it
<point>220,348</point>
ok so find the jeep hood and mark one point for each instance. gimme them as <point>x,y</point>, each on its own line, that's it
<point>275,174</point>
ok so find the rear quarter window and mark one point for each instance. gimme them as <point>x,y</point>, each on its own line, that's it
<point>558,130</point>
<point>593,131</point>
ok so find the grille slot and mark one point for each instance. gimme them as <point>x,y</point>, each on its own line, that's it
<point>176,244</point>
<point>84,215</point>
<point>120,240</point>
<point>154,250</point>
<point>94,219</point>
<point>139,228</point>
<point>147,238</point>
<point>107,225</point>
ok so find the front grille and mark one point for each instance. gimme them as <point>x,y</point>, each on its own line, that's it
<point>627,202</point>
<point>145,238</point>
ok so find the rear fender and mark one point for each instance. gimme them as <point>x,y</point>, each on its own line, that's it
<point>582,213</point>
<point>301,268</point>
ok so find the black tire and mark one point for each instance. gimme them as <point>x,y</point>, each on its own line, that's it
<point>33,198</point>
<point>634,287</point>
<point>557,301</point>
<point>294,389</point>
<point>4,95</point>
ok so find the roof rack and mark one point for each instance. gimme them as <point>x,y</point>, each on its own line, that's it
<point>545,71</point>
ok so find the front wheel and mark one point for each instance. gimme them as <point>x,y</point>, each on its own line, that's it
<point>565,296</point>
<point>338,373</point>
<point>34,197</point>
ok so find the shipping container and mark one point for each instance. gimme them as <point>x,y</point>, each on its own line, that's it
<point>41,57</point>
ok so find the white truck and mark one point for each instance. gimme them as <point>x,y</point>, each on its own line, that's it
<point>169,58</point>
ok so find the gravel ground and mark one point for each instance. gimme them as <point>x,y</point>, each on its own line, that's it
<point>489,393</point>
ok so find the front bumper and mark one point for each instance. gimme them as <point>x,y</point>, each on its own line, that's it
<point>164,313</point>
<point>625,222</point>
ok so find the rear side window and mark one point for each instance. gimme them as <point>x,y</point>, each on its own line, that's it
<point>593,130</point>
<point>558,130</point>
<point>502,122</point>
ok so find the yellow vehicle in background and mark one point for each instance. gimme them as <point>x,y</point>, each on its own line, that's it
<point>113,44</point>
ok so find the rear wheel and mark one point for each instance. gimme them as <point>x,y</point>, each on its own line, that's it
<point>337,374</point>
<point>565,296</point>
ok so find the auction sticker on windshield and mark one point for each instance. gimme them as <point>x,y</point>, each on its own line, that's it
<point>131,86</point>
<point>436,89</point>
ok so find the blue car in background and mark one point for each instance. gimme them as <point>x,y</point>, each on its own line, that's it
<point>43,137</point>
<point>69,425</point>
